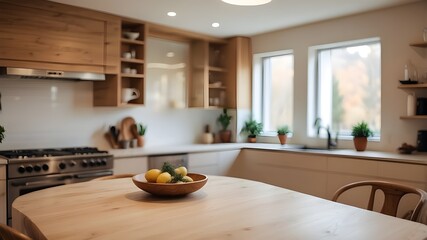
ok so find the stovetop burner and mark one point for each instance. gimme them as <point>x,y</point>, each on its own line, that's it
<point>33,153</point>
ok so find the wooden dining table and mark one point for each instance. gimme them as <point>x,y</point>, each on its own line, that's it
<point>225,208</point>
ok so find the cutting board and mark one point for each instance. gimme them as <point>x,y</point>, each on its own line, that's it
<point>126,128</point>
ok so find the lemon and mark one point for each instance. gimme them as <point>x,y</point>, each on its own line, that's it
<point>152,174</point>
<point>187,179</point>
<point>181,171</point>
<point>164,178</point>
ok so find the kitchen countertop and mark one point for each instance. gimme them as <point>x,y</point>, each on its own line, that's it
<point>417,158</point>
<point>3,161</point>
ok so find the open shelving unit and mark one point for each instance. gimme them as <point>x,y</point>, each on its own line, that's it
<point>132,73</point>
<point>208,85</point>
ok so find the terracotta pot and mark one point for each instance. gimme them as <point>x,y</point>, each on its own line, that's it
<point>252,139</point>
<point>225,136</point>
<point>360,143</point>
<point>282,138</point>
<point>140,141</point>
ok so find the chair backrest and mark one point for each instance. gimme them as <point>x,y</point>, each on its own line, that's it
<point>393,193</point>
<point>8,233</point>
<point>124,175</point>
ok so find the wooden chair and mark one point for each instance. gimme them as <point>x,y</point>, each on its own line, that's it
<point>8,233</point>
<point>124,175</point>
<point>393,193</point>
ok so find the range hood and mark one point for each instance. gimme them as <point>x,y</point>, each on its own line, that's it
<point>49,74</point>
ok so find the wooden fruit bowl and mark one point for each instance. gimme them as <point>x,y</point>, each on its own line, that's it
<point>170,189</point>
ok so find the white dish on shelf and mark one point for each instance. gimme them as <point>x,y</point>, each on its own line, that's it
<point>215,84</point>
<point>131,35</point>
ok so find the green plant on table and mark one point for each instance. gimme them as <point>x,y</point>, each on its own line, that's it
<point>252,128</point>
<point>224,119</point>
<point>141,129</point>
<point>361,129</point>
<point>283,130</point>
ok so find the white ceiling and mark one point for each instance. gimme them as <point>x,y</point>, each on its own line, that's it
<point>198,15</point>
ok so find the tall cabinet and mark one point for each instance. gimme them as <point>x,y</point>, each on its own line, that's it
<point>132,63</point>
<point>221,73</point>
<point>131,71</point>
<point>207,87</point>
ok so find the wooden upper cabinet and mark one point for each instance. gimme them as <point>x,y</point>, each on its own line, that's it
<point>38,34</point>
<point>239,84</point>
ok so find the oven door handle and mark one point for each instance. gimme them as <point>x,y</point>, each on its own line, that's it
<point>93,175</point>
<point>45,182</point>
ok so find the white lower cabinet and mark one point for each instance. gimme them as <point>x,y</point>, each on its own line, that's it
<point>321,175</point>
<point>3,217</point>
<point>299,172</point>
<point>212,163</point>
<point>133,165</point>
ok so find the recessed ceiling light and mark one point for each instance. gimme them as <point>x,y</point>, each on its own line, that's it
<point>215,24</point>
<point>247,2</point>
<point>171,14</point>
<point>170,54</point>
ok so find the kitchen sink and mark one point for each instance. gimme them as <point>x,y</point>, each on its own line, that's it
<point>305,147</point>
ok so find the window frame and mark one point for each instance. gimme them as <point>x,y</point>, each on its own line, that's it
<point>313,83</point>
<point>259,85</point>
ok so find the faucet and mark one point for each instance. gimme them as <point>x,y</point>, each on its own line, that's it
<point>331,144</point>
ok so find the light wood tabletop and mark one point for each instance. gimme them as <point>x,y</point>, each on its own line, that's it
<point>225,208</point>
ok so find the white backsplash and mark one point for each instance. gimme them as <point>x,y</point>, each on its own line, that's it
<point>53,113</point>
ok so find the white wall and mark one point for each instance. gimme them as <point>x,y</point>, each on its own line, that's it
<point>52,113</point>
<point>396,27</point>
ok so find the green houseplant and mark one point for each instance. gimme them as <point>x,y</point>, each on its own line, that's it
<point>2,133</point>
<point>361,132</point>
<point>282,133</point>
<point>224,120</point>
<point>253,129</point>
<point>141,132</point>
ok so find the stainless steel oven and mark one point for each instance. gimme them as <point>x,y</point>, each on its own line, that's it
<point>32,170</point>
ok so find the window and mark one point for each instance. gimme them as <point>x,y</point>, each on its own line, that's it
<point>347,86</point>
<point>273,99</point>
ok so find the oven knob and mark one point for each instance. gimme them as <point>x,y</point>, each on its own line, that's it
<point>104,162</point>
<point>62,165</point>
<point>84,163</point>
<point>21,169</point>
<point>45,167</point>
<point>72,163</point>
<point>37,168</point>
<point>29,168</point>
<point>92,163</point>
<point>98,162</point>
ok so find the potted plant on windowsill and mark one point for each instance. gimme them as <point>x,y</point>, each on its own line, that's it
<point>141,132</point>
<point>2,133</point>
<point>282,133</point>
<point>253,129</point>
<point>224,120</point>
<point>361,132</point>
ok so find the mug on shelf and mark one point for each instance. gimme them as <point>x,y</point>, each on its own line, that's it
<point>129,94</point>
<point>127,55</point>
<point>126,70</point>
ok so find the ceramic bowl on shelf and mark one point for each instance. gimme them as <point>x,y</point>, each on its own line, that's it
<point>131,35</point>
<point>408,82</point>
<point>170,189</point>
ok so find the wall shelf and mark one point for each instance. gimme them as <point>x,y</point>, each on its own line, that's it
<point>217,69</point>
<point>414,117</point>
<point>132,60</point>
<point>135,42</point>
<point>412,86</point>
<point>419,44</point>
<point>129,75</point>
